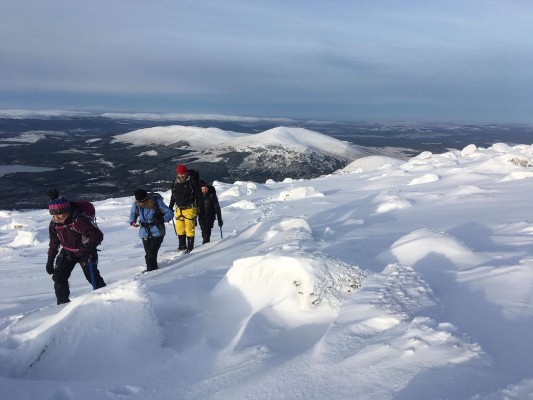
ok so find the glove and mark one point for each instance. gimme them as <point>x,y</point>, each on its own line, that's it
<point>90,252</point>
<point>220,223</point>
<point>134,224</point>
<point>50,265</point>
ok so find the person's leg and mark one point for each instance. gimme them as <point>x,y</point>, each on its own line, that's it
<point>203,227</point>
<point>98,280</point>
<point>190,227</point>
<point>180,230</point>
<point>155,244</point>
<point>64,266</point>
<point>182,242</point>
<point>146,245</point>
<point>208,229</point>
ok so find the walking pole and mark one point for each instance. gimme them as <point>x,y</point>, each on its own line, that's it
<point>221,233</point>
<point>173,223</point>
<point>91,271</point>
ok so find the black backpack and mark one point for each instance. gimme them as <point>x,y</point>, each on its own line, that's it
<point>194,176</point>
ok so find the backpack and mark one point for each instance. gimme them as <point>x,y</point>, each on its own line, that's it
<point>86,209</point>
<point>194,176</point>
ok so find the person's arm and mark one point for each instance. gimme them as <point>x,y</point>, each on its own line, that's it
<point>163,207</point>
<point>217,209</point>
<point>90,231</point>
<point>133,215</point>
<point>53,246</point>
<point>172,198</point>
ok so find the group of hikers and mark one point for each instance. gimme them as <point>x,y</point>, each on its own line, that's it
<point>73,227</point>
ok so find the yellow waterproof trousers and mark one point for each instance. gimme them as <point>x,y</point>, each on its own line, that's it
<point>185,221</point>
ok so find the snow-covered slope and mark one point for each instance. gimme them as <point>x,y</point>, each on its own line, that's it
<point>194,137</point>
<point>407,281</point>
<point>296,151</point>
<point>294,139</point>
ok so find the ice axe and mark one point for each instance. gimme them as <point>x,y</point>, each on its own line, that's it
<point>221,237</point>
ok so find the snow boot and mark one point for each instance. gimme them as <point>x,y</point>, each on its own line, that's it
<point>190,244</point>
<point>182,243</point>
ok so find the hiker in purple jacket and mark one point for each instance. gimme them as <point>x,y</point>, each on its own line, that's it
<point>78,236</point>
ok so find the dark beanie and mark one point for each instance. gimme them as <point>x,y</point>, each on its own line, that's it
<point>141,195</point>
<point>58,205</point>
<point>203,183</point>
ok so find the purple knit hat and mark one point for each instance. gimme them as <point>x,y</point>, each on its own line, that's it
<point>58,205</point>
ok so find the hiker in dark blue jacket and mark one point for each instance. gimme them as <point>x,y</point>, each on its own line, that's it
<point>152,213</point>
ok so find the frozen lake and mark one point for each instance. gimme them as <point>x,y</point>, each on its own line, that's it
<point>11,169</point>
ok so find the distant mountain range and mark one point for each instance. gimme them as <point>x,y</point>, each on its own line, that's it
<point>276,153</point>
<point>98,156</point>
<point>116,165</point>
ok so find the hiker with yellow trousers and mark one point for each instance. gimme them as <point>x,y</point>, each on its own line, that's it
<point>187,196</point>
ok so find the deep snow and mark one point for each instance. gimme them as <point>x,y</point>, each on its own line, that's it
<point>398,280</point>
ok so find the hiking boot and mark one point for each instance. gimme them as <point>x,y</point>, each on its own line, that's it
<point>182,243</point>
<point>190,244</point>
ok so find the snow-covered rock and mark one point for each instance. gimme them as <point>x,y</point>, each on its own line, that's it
<point>468,150</point>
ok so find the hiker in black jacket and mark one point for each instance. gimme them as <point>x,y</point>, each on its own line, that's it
<point>187,196</point>
<point>212,211</point>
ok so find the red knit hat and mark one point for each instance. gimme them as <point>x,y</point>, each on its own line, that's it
<point>182,169</point>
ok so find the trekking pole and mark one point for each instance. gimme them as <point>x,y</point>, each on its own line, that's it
<point>221,233</point>
<point>174,224</point>
<point>91,271</point>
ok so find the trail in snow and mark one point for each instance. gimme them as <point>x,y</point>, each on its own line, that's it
<point>390,280</point>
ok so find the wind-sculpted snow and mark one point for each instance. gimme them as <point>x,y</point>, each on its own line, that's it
<point>75,341</point>
<point>298,193</point>
<point>359,285</point>
<point>420,244</point>
<point>370,162</point>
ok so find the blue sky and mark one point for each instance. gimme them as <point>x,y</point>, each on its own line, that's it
<point>432,61</point>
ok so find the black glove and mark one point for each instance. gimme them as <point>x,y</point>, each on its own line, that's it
<point>50,265</point>
<point>171,205</point>
<point>220,223</point>
<point>90,251</point>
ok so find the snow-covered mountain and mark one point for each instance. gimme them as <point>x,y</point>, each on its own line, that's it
<point>281,150</point>
<point>410,281</point>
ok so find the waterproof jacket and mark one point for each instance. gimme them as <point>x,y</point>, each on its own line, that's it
<point>212,207</point>
<point>187,194</point>
<point>75,234</point>
<point>152,221</point>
